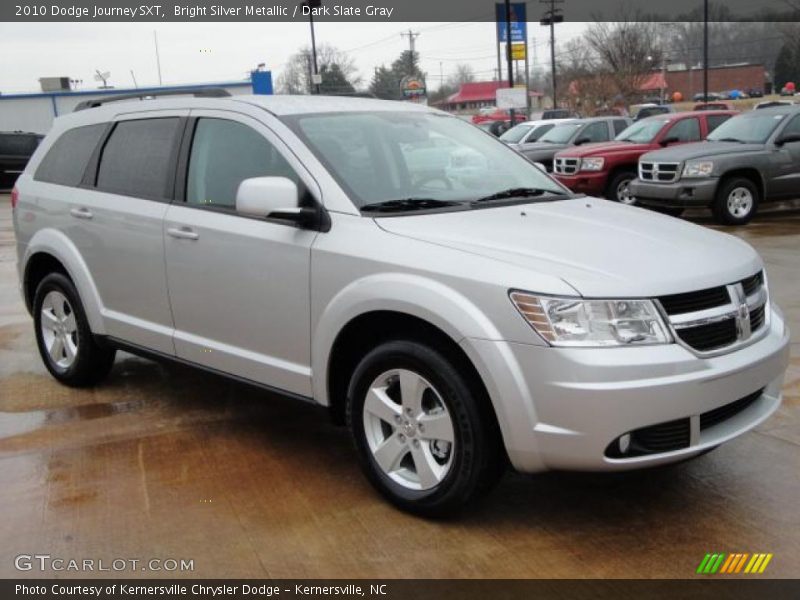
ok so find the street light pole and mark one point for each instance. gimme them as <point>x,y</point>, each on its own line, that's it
<point>509,61</point>
<point>705,50</point>
<point>551,18</point>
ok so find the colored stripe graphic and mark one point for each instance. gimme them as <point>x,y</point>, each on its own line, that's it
<point>716,562</point>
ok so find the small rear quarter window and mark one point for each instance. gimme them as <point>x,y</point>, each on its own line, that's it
<point>68,157</point>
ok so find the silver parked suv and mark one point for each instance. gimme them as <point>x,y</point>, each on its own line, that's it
<point>442,295</point>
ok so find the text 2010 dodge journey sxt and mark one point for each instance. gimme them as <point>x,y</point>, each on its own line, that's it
<point>443,296</point>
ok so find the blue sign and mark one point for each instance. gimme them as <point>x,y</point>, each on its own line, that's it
<point>519,23</point>
<point>262,82</point>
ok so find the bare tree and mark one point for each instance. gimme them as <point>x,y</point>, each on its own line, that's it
<point>296,75</point>
<point>627,52</point>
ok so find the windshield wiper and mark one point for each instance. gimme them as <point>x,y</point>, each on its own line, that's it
<point>521,192</point>
<point>728,139</point>
<point>402,204</point>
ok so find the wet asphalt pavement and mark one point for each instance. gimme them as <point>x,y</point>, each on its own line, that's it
<point>166,462</point>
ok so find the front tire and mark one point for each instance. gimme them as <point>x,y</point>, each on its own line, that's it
<point>736,201</point>
<point>63,336</point>
<point>425,437</point>
<point>619,188</point>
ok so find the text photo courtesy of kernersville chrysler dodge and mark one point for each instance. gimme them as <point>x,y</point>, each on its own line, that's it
<point>455,306</point>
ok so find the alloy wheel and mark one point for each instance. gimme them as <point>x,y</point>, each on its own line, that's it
<point>409,429</point>
<point>740,202</point>
<point>59,329</point>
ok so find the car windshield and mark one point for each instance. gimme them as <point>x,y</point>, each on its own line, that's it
<point>420,157</point>
<point>515,134</point>
<point>561,134</point>
<point>642,132</point>
<point>753,127</point>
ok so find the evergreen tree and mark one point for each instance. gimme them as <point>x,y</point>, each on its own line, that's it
<point>786,65</point>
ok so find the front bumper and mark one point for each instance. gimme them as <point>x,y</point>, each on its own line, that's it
<point>590,183</point>
<point>684,193</point>
<point>560,408</point>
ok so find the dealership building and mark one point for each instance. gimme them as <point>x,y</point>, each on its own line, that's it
<point>34,112</point>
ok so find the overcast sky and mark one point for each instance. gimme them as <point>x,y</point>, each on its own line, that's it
<point>211,52</point>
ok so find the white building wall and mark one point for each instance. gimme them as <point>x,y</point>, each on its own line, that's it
<point>35,112</point>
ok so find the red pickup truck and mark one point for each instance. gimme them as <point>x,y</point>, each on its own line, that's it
<point>607,168</point>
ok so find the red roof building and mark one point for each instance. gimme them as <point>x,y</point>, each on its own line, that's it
<point>476,94</point>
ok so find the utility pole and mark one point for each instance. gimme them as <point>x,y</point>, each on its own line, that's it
<point>551,17</point>
<point>705,50</point>
<point>412,36</point>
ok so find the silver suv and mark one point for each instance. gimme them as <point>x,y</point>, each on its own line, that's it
<point>454,305</point>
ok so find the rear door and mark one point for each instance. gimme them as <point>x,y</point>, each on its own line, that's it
<point>239,286</point>
<point>116,221</point>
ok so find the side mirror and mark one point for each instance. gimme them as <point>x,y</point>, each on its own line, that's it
<point>274,198</point>
<point>787,139</point>
<point>670,140</point>
<point>582,140</point>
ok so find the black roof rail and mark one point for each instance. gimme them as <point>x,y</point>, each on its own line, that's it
<point>209,92</point>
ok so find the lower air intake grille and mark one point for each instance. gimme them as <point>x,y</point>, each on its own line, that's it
<point>723,413</point>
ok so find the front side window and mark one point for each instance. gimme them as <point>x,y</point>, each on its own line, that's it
<point>136,158</point>
<point>515,134</point>
<point>67,159</point>
<point>561,134</point>
<point>793,127</point>
<point>685,130</point>
<point>595,132</point>
<point>382,156</point>
<point>642,132</point>
<point>225,153</point>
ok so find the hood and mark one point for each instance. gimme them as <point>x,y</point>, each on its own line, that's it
<point>600,248</point>
<point>683,152</point>
<point>543,150</point>
<point>604,149</point>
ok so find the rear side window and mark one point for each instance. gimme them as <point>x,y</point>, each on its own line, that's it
<point>136,160</point>
<point>620,125</point>
<point>67,159</point>
<point>715,121</point>
<point>685,130</point>
<point>225,153</point>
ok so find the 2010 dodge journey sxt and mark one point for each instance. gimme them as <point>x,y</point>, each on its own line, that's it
<point>437,291</point>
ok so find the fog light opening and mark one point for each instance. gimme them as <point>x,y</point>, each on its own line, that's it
<point>624,443</point>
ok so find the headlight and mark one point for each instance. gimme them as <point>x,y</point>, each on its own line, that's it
<point>698,168</point>
<point>592,164</point>
<point>577,322</point>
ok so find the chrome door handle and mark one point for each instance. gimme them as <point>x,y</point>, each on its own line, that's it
<point>81,213</point>
<point>183,233</point>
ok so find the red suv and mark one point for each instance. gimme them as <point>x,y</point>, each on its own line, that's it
<point>607,168</point>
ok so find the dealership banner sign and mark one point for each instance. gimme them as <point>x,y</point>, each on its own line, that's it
<point>385,10</point>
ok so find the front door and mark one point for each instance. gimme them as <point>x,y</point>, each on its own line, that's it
<point>239,286</point>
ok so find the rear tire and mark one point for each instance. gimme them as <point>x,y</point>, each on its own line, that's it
<point>65,341</point>
<point>618,189</point>
<point>425,436</point>
<point>736,201</point>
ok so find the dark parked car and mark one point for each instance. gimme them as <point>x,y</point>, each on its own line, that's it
<point>751,158</point>
<point>574,133</point>
<point>16,148</point>
<point>652,110</point>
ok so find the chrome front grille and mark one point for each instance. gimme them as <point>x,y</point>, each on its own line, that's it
<point>566,166</point>
<point>662,172</point>
<point>719,319</point>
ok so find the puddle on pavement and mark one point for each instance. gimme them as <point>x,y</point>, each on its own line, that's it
<point>12,423</point>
